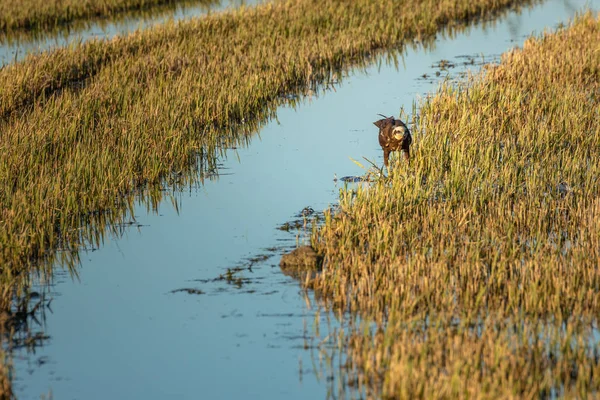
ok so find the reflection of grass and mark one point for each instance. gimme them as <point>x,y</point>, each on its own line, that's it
<point>49,14</point>
<point>6,391</point>
<point>480,261</point>
<point>84,126</point>
<point>85,129</point>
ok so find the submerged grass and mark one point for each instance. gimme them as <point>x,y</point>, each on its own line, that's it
<point>50,14</point>
<point>478,263</point>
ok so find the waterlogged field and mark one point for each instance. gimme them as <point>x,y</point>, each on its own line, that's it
<point>15,46</point>
<point>476,261</point>
<point>50,14</point>
<point>85,127</point>
<point>477,264</point>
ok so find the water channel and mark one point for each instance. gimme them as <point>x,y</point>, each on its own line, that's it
<point>119,330</point>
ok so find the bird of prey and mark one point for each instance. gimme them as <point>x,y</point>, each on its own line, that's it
<point>393,136</point>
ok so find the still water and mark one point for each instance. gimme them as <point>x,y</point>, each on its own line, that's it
<point>15,48</point>
<point>119,331</point>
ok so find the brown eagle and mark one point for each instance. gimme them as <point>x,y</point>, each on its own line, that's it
<point>393,136</point>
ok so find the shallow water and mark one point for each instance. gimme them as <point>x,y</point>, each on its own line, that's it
<point>118,331</point>
<point>18,47</point>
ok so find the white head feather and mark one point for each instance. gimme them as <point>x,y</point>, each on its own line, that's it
<point>398,132</point>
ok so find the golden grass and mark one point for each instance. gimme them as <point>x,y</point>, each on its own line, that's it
<point>87,131</point>
<point>479,262</point>
<point>49,14</point>
<point>5,377</point>
<point>83,128</point>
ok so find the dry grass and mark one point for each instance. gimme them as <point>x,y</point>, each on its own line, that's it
<point>479,262</point>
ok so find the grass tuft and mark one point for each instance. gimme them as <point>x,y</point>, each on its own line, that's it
<point>479,263</point>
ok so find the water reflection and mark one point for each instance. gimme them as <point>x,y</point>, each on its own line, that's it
<point>245,334</point>
<point>16,46</point>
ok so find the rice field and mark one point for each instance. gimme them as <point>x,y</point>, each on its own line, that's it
<point>475,268</point>
<point>486,244</point>
<point>37,15</point>
<point>86,128</point>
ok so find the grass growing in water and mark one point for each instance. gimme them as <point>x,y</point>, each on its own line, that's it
<point>479,262</point>
<point>84,126</point>
<point>83,129</point>
<point>50,14</point>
